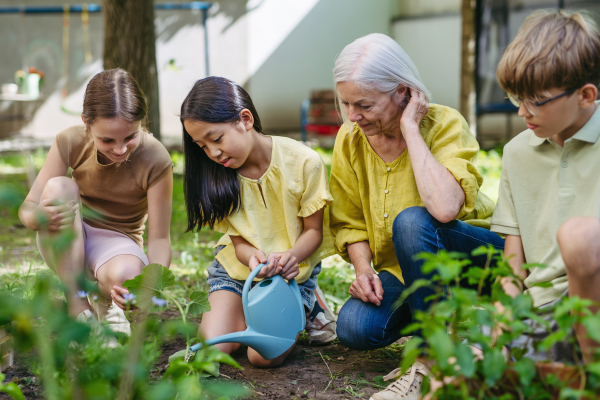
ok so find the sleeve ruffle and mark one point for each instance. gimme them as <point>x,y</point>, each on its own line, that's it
<point>312,207</point>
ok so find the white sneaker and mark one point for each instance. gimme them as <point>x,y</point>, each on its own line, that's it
<point>407,387</point>
<point>107,311</point>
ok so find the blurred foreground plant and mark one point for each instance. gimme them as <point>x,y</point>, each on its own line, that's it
<point>460,316</point>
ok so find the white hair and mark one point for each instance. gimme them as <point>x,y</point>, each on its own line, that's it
<point>377,62</point>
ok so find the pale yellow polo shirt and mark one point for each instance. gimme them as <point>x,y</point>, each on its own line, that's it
<point>294,186</point>
<point>369,193</point>
<point>543,185</point>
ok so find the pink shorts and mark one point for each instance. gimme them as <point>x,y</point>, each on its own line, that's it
<point>100,245</point>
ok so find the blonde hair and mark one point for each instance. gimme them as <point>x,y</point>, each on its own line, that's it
<point>377,62</point>
<point>553,49</point>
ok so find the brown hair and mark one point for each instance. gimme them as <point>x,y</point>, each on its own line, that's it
<point>553,49</point>
<point>114,93</point>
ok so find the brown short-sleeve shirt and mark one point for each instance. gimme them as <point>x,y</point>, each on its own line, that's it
<point>114,196</point>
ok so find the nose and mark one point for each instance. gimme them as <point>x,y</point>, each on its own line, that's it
<point>215,153</point>
<point>353,115</point>
<point>523,111</point>
<point>120,150</point>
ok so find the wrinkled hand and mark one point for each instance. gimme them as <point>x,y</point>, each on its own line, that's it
<point>54,215</point>
<point>286,264</point>
<point>367,287</point>
<point>268,270</point>
<point>415,111</point>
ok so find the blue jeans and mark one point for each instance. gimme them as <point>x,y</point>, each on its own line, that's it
<point>365,326</point>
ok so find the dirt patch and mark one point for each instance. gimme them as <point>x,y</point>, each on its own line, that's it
<point>309,372</point>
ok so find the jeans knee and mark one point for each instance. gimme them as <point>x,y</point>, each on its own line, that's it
<point>409,227</point>
<point>357,332</point>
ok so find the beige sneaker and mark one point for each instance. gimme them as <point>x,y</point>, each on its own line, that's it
<point>407,387</point>
<point>107,311</point>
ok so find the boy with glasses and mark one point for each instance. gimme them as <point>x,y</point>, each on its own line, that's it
<point>549,200</point>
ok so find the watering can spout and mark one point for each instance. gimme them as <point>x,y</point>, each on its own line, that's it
<point>268,347</point>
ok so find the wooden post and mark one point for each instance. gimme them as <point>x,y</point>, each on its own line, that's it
<point>6,350</point>
<point>467,69</point>
<point>130,43</point>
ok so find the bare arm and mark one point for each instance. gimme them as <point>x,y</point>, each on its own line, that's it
<point>441,193</point>
<point>367,286</point>
<point>55,213</point>
<point>513,250</point>
<point>159,221</point>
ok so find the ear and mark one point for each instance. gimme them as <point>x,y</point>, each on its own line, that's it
<point>399,95</point>
<point>247,119</point>
<point>587,95</point>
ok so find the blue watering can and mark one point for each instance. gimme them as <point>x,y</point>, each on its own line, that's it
<point>274,315</point>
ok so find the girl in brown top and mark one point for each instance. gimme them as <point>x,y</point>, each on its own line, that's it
<point>121,176</point>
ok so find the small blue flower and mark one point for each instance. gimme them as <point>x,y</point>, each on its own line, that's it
<point>129,297</point>
<point>82,294</point>
<point>159,302</point>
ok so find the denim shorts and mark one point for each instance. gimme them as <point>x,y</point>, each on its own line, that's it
<point>219,279</point>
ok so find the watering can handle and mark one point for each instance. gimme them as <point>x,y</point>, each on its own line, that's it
<point>248,283</point>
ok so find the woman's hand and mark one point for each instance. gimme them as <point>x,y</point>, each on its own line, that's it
<point>415,111</point>
<point>53,215</point>
<point>286,264</point>
<point>367,287</point>
<point>259,257</point>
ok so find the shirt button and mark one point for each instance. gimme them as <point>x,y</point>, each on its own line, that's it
<point>384,215</point>
<point>389,169</point>
<point>386,190</point>
<point>564,164</point>
<point>259,181</point>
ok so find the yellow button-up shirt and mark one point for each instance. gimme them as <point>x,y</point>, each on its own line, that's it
<point>270,219</point>
<point>369,193</point>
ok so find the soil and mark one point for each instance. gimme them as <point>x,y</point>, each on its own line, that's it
<point>309,372</point>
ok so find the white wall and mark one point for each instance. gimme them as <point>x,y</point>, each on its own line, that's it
<point>434,46</point>
<point>304,59</point>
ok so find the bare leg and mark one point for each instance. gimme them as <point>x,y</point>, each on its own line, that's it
<point>260,362</point>
<point>69,262</point>
<point>579,242</point>
<point>116,271</point>
<point>226,315</point>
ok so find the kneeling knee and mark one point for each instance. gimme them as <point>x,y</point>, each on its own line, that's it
<point>579,242</point>
<point>121,272</point>
<point>62,188</point>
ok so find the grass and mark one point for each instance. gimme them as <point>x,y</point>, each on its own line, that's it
<point>192,251</point>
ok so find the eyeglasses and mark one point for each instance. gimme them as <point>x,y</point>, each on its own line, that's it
<point>533,106</point>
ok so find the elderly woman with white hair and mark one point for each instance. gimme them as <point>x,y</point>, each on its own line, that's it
<point>404,181</point>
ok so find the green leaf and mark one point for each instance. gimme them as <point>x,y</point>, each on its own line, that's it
<point>214,354</point>
<point>180,354</point>
<point>177,369</point>
<point>592,325</point>
<point>153,280</point>
<point>525,368</point>
<point>442,345</point>
<point>210,368</point>
<point>227,390</point>
<point>493,365</point>
<point>160,391</point>
<point>410,353</point>
<point>189,388</point>
<point>199,303</point>
<point>11,389</point>
<point>464,357</point>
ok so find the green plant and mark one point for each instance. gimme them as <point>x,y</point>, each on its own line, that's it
<point>461,315</point>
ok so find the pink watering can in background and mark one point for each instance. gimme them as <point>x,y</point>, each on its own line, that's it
<point>274,315</point>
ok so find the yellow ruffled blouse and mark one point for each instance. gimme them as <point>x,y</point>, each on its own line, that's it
<point>293,187</point>
<point>369,193</point>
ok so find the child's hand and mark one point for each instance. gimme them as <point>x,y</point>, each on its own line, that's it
<point>286,264</point>
<point>119,295</point>
<point>258,258</point>
<point>54,215</point>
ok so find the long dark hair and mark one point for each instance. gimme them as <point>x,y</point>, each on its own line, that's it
<point>212,191</point>
<point>114,93</point>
